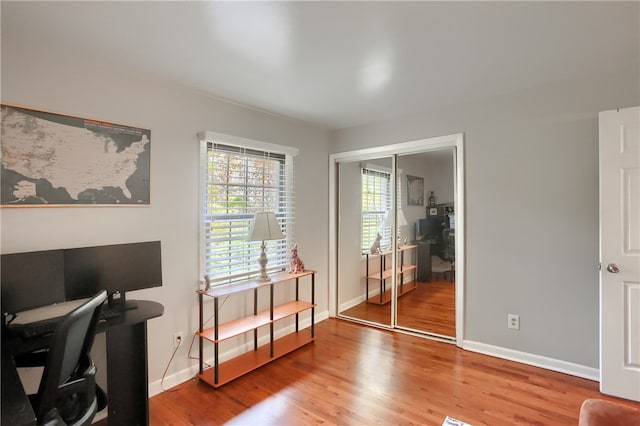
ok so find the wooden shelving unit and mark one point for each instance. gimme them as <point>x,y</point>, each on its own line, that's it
<point>385,273</point>
<point>221,373</point>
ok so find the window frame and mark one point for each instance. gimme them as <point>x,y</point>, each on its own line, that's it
<point>385,230</point>
<point>286,217</point>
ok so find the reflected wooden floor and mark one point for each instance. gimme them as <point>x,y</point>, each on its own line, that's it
<point>359,375</point>
<point>430,307</point>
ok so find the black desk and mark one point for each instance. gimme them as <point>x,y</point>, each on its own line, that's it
<point>127,372</point>
<point>424,259</point>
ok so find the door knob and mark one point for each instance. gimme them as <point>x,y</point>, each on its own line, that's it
<point>613,268</point>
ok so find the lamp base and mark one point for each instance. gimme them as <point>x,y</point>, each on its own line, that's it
<point>263,277</point>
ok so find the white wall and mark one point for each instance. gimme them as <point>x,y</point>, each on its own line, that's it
<point>59,82</point>
<point>532,203</point>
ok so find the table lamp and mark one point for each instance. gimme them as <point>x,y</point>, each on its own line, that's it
<point>402,221</point>
<point>264,227</point>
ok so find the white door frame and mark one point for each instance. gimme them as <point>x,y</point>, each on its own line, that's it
<point>413,147</point>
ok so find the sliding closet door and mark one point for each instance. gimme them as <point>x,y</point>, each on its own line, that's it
<point>426,298</point>
<point>389,264</point>
<point>365,198</point>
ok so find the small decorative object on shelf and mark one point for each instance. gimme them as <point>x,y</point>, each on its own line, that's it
<point>207,283</point>
<point>406,240</point>
<point>375,248</point>
<point>296,265</point>
<point>432,199</point>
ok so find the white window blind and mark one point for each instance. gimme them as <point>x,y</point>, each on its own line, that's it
<point>239,182</point>
<point>376,202</point>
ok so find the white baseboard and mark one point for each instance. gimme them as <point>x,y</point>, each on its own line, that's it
<point>359,299</point>
<point>535,360</point>
<point>351,303</point>
<point>158,386</point>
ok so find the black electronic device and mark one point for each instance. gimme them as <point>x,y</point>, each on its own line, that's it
<point>117,268</point>
<point>31,279</point>
<point>430,228</point>
<point>40,278</point>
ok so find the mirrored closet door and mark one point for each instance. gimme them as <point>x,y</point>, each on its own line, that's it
<point>365,199</point>
<point>395,239</point>
<point>426,225</point>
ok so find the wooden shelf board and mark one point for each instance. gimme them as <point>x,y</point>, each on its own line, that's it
<point>252,360</point>
<point>291,308</point>
<point>251,322</point>
<point>386,274</point>
<point>400,248</point>
<point>236,327</point>
<point>237,287</point>
<point>386,296</point>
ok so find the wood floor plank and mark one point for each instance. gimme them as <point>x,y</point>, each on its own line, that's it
<point>430,307</point>
<point>358,375</point>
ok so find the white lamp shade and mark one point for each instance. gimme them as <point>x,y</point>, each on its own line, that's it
<point>388,218</point>
<point>402,221</point>
<point>265,227</point>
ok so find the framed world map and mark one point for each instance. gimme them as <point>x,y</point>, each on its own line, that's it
<point>58,160</point>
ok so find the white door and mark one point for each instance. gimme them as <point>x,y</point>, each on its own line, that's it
<point>620,253</point>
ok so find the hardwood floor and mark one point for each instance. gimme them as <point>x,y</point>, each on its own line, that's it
<point>358,375</point>
<point>430,307</point>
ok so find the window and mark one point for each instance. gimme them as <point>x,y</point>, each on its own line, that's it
<point>376,202</point>
<point>239,181</point>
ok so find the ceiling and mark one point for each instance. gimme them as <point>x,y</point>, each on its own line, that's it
<point>341,64</point>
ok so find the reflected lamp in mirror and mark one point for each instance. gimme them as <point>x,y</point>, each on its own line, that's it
<point>402,221</point>
<point>264,227</point>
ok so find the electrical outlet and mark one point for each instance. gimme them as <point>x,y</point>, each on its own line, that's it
<point>177,339</point>
<point>513,321</point>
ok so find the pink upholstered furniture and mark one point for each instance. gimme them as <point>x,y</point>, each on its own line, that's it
<point>598,412</point>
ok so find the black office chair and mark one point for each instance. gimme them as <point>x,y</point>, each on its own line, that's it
<point>67,394</point>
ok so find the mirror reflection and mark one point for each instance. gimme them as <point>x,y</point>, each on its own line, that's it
<point>427,203</point>
<point>423,201</point>
<point>365,201</point>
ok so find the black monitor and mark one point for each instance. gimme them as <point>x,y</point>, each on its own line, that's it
<point>431,227</point>
<point>118,268</point>
<point>31,279</point>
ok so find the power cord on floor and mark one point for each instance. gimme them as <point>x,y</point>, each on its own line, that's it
<point>179,338</point>
<point>193,339</point>
<point>189,356</point>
